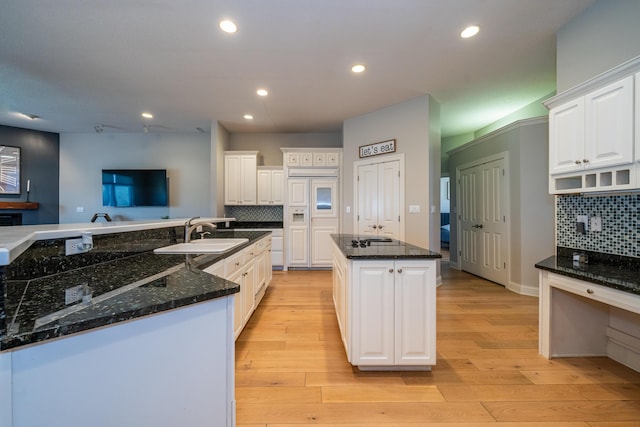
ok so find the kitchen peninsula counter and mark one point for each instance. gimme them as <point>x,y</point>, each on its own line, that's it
<point>151,342</point>
<point>384,292</point>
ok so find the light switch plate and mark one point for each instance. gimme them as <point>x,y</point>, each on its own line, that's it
<point>414,208</point>
<point>583,219</point>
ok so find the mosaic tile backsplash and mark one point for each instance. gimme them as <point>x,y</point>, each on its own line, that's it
<point>620,233</point>
<point>254,213</point>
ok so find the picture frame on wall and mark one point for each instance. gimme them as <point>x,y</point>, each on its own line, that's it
<point>9,170</point>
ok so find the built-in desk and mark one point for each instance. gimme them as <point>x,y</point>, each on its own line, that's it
<point>589,310</point>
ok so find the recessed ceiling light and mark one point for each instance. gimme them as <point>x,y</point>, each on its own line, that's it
<point>248,116</point>
<point>228,26</point>
<point>470,31</point>
<point>147,115</point>
<point>358,68</point>
<point>262,92</point>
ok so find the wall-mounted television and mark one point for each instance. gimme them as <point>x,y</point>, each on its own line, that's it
<point>134,187</point>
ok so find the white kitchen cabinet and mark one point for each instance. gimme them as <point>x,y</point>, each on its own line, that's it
<point>270,186</point>
<point>298,245</point>
<point>248,269</point>
<point>240,169</point>
<point>593,131</point>
<point>566,137</point>
<point>277,247</point>
<point>379,193</point>
<point>298,192</point>
<point>340,298</point>
<point>386,311</point>
<point>637,123</point>
<point>609,125</point>
<point>321,248</point>
<point>591,139</point>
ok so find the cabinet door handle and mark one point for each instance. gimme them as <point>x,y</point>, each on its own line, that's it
<point>237,263</point>
<point>399,270</point>
<point>380,227</point>
<point>374,226</point>
<point>391,270</point>
<point>578,162</point>
<point>590,291</point>
<point>585,161</point>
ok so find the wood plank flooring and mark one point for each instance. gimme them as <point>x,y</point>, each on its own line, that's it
<point>291,369</point>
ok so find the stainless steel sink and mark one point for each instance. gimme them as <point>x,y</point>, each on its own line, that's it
<point>201,246</point>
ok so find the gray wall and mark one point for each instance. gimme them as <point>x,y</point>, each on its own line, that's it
<point>185,156</point>
<point>268,144</point>
<point>409,124</point>
<point>531,211</point>
<point>603,36</point>
<point>39,163</point>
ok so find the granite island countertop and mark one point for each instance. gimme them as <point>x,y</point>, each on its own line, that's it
<point>612,271</point>
<point>377,250</point>
<point>118,290</point>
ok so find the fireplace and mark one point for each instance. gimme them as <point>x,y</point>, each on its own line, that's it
<point>10,219</point>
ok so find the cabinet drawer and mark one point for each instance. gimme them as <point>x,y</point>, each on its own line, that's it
<point>277,243</point>
<point>233,263</point>
<point>249,253</point>
<point>603,294</point>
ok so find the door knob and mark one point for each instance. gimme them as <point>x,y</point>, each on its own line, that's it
<point>374,226</point>
<point>380,227</point>
<point>477,226</point>
<point>399,270</point>
<point>391,270</point>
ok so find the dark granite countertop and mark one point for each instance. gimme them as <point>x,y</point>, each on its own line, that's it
<point>612,271</point>
<point>395,249</point>
<point>119,290</point>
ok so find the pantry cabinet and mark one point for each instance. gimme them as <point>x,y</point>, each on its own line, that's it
<point>240,177</point>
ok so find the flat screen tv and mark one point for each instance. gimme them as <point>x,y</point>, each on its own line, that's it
<point>134,187</point>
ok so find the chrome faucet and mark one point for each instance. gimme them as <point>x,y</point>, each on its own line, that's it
<point>189,226</point>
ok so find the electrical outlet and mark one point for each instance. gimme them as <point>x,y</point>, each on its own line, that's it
<point>75,246</point>
<point>595,223</point>
<point>73,294</point>
<point>583,219</point>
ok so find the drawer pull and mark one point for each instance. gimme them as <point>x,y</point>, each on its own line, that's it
<point>399,270</point>
<point>391,270</point>
<point>590,291</point>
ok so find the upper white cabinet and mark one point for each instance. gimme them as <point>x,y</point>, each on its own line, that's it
<point>240,169</point>
<point>609,125</point>
<point>593,131</point>
<point>270,186</point>
<point>592,145</point>
<point>297,159</point>
<point>566,130</point>
<point>637,121</point>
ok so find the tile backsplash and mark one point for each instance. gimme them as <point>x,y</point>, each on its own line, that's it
<point>620,233</point>
<point>254,213</point>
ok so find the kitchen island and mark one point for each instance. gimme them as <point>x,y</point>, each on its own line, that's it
<point>149,340</point>
<point>384,292</point>
<point>590,309</point>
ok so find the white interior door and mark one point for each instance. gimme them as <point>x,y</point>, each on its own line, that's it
<point>378,210</point>
<point>483,221</point>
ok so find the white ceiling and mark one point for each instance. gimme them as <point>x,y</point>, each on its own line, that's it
<point>79,63</point>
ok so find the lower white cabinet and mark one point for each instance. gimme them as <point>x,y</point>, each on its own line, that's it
<point>251,269</point>
<point>387,311</point>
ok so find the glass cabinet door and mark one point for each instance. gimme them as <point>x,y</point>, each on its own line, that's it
<point>323,197</point>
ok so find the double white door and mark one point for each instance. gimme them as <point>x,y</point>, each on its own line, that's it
<point>378,211</point>
<point>482,207</point>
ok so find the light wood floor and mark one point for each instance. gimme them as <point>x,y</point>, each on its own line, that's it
<point>291,368</point>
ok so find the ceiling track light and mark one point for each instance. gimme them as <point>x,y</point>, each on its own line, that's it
<point>99,128</point>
